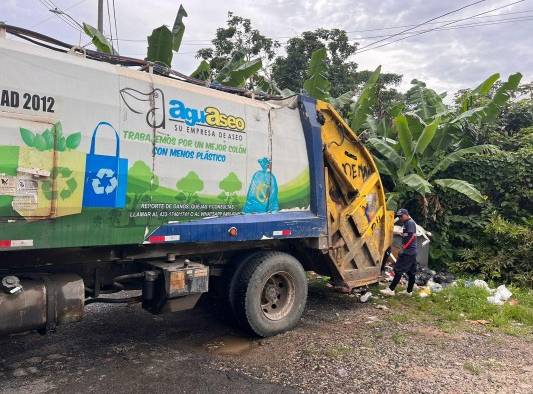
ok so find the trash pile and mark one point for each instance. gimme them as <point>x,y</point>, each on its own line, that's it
<point>427,281</point>
<point>498,296</point>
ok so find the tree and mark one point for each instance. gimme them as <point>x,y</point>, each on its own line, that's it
<point>238,55</point>
<point>292,70</point>
<point>189,186</point>
<point>230,185</point>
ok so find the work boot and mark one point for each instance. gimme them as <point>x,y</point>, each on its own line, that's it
<point>387,291</point>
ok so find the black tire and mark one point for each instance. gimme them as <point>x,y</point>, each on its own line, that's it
<point>221,288</point>
<point>269,293</point>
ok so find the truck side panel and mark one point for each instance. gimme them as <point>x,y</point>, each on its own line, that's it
<point>116,153</point>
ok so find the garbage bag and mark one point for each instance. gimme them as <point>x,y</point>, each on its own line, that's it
<point>501,295</point>
<point>263,190</point>
<point>423,276</point>
<point>435,287</point>
<point>481,283</point>
<point>443,278</point>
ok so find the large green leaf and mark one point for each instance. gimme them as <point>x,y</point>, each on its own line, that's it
<point>424,101</point>
<point>265,84</point>
<point>404,135</point>
<point>382,166</point>
<point>460,155</point>
<point>237,77</point>
<point>317,85</point>
<point>203,71</point>
<point>426,137</point>
<point>178,29</point>
<point>484,87</point>
<point>286,92</point>
<point>469,115</point>
<point>100,42</point>
<point>416,124</point>
<point>342,101</point>
<point>160,46</point>
<point>462,187</point>
<point>236,60</point>
<point>416,183</point>
<point>364,102</point>
<point>502,95</point>
<point>387,151</point>
<point>392,200</point>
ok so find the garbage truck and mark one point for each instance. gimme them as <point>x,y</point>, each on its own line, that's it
<point>121,181</point>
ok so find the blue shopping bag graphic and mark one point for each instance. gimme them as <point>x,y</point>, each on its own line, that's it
<point>106,177</point>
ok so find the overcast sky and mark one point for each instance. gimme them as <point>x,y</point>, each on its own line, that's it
<point>447,60</point>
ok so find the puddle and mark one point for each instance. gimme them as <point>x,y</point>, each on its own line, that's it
<point>230,345</point>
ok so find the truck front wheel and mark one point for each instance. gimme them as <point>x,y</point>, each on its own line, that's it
<point>270,293</point>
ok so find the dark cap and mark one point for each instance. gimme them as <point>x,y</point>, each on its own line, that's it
<point>402,211</point>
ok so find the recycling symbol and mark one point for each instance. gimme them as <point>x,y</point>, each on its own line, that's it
<point>66,184</point>
<point>104,176</point>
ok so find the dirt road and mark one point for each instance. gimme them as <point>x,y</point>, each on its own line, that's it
<point>340,346</point>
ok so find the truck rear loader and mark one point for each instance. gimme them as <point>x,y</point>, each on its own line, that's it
<point>117,174</point>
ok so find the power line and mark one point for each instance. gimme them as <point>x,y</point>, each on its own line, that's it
<point>115,18</point>
<point>51,16</point>
<point>424,23</point>
<point>436,23</point>
<point>433,29</point>
<point>109,22</point>
<point>207,42</point>
<point>61,15</point>
<point>462,26</point>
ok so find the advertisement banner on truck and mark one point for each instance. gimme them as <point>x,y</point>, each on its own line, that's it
<point>126,151</point>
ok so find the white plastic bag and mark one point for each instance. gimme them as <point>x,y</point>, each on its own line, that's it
<point>481,283</point>
<point>365,297</point>
<point>501,295</point>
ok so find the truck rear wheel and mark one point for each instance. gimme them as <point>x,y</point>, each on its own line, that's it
<point>270,293</point>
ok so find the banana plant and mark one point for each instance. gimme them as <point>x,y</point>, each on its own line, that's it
<point>163,42</point>
<point>318,85</point>
<point>234,74</point>
<point>410,166</point>
<point>361,110</point>
<point>461,127</point>
<point>101,43</point>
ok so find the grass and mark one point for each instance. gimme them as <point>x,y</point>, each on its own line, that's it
<point>472,368</point>
<point>398,338</point>
<point>451,308</point>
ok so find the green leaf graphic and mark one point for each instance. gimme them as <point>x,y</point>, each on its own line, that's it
<point>73,141</point>
<point>49,139</point>
<point>27,136</point>
<point>61,144</point>
<point>39,142</point>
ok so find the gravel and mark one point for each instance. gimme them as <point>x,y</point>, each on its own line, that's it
<point>339,346</point>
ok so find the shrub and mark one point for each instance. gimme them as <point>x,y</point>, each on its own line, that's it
<point>504,252</point>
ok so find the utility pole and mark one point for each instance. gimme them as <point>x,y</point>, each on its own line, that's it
<point>101,16</point>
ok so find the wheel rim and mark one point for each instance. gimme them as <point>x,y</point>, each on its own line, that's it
<point>277,297</point>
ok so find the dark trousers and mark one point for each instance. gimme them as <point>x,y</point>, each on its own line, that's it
<point>406,264</point>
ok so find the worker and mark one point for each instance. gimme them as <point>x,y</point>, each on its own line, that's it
<point>406,262</point>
